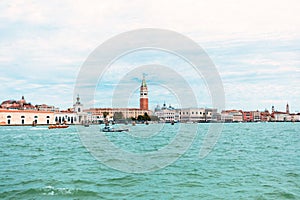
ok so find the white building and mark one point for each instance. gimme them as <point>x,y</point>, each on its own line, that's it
<point>26,117</point>
<point>232,116</point>
<point>166,114</point>
<point>197,114</point>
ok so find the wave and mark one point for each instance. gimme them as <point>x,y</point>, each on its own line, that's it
<point>49,191</point>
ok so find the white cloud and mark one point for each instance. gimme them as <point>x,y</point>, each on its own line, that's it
<point>45,43</point>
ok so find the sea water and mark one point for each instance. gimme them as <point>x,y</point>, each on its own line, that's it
<point>249,161</point>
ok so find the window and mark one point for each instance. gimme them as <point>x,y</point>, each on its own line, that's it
<point>22,117</point>
<point>192,112</point>
<point>79,110</point>
<point>48,117</point>
<point>9,116</point>
<point>35,116</point>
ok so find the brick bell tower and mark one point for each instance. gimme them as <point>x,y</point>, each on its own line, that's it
<point>144,95</point>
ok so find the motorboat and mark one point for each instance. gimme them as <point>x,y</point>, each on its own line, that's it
<point>57,126</point>
<point>110,129</point>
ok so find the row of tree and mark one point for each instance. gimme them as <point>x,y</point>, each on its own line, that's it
<point>118,116</point>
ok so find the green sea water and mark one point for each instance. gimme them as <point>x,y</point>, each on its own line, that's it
<point>249,161</point>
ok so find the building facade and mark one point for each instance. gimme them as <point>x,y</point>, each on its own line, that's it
<point>26,117</point>
<point>166,114</point>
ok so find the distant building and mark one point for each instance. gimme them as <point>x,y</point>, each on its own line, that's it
<point>256,116</point>
<point>280,116</point>
<point>166,114</point>
<point>44,107</point>
<point>17,105</point>
<point>197,114</point>
<point>287,108</point>
<point>234,115</point>
<point>247,116</point>
<point>265,116</point>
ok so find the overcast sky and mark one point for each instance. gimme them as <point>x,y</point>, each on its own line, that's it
<point>254,45</point>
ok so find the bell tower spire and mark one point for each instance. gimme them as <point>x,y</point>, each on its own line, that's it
<point>287,109</point>
<point>144,95</point>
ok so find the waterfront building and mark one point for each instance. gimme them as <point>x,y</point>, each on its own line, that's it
<point>66,117</point>
<point>25,117</point>
<point>192,114</point>
<point>166,114</point>
<point>295,117</point>
<point>197,114</point>
<point>265,116</point>
<point>280,116</point>
<point>247,116</point>
<point>235,115</point>
<point>256,116</point>
<point>75,115</point>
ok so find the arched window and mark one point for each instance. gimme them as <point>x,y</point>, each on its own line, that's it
<point>22,120</point>
<point>8,116</point>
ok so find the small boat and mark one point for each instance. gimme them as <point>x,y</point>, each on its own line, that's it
<point>110,129</point>
<point>34,123</point>
<point>57,126</point>
<point>86,124</point>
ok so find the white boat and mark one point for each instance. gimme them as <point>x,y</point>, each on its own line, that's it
<point>110,129</point>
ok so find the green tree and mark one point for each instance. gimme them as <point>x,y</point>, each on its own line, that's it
<point>140,118</point>
<point>105,114</point>
<point>146,117</point>
<point>118,116</point>
<point>154,118</point>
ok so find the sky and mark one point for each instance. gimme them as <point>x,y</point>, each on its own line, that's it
<point>254,45</point>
